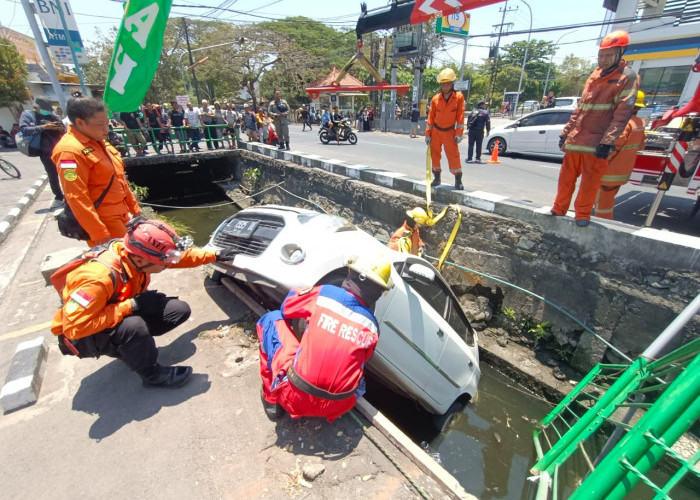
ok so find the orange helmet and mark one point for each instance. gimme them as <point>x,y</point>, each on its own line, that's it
<point>155,241</point>
<point>618,38</point>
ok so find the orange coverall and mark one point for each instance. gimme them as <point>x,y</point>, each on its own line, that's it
<point>85,168</point>
<point>413,235</point>
<point>86,309</point>
<point>445,121</point>
<point>620,166</point>
<point>605,107</point>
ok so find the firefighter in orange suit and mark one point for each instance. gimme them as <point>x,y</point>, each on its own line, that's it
<point>88,167</point>
<point>605,107</point>
<point>445,126</point>
<point>407,237</point>
<point>108,310</point>
<point>621,162</point>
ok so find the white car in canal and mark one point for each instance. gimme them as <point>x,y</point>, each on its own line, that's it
<point>427,349</point>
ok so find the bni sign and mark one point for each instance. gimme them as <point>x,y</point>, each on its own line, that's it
<point>56,35</point>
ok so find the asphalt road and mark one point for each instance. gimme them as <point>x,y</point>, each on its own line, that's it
<point>526,179</point>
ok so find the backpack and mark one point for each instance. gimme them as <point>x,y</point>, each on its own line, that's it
<point>119,278</point>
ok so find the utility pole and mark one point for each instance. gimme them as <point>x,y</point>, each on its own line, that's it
<point>494,67</point>
<point>41,46</point>
<point>189,50</point>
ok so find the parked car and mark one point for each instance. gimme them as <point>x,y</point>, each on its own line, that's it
<point>567,102</point>
<point>535,134</point>
<point>427,349</point>
<point>529,106</point>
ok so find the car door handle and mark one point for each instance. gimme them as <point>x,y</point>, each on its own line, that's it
<point>543,132</point>
<point>440,333</point>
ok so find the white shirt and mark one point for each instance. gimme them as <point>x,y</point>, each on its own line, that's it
<point>192,117</point>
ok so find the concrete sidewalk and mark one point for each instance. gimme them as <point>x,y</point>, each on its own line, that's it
<point>17,194</point>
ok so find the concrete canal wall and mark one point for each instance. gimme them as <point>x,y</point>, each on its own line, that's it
<point>625,283</point>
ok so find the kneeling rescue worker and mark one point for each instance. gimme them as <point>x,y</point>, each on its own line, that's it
<point>107,309</point>
<point>322,375</point>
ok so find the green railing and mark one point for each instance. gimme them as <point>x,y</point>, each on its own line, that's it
<point>571,438</point>
<point>178,136</point>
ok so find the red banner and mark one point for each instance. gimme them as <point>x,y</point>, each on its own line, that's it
<point>425,10</point>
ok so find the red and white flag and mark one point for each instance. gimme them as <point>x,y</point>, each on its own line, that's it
<point>425,10</point>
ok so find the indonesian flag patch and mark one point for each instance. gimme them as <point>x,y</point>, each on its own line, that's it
<point>81,298</point>
<point>68,164</point>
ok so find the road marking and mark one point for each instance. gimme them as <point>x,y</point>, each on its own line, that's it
<point>24,331</point>
<point>384,144</point>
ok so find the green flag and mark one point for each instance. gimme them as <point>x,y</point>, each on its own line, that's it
<point>136,53</point>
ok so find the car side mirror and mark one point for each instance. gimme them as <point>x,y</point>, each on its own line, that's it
<point>420,273</point>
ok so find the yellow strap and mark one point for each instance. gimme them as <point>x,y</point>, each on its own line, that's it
<point>434,219</point>
<point>451,238</point>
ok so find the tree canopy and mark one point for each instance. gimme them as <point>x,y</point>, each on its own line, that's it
<point>13,72</point>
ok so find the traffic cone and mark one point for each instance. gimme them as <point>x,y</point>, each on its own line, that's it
<point>494,155</point>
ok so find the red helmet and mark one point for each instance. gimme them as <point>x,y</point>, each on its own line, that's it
<point>618,38</point>
<point>154,241</point>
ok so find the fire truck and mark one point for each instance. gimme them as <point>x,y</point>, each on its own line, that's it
<point>671,155</point>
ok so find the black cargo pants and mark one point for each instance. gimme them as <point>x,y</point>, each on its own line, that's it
<point>132,339</point>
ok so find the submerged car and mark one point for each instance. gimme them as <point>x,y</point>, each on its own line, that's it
<point>534,134</point>
<point>427,349</point>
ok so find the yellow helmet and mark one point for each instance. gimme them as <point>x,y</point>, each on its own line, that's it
<point>377,270</point>
<point>418,214</point>
<point>446,75</point>
<point>639,103</point>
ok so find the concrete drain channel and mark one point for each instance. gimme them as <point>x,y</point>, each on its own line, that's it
<point>488,448</point>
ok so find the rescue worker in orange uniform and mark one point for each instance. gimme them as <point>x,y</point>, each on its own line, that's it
<point>407,237</point>
<point>621,162</point>
<point>445,126</point>
<point>605,107</point>
<point>107,309</point>
<point>89,166</point>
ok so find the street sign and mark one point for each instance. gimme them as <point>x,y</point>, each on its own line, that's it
<point>453,25</point>
<point>462,85</point>
<point>56,35</point>
<point>333,97</point>
<point>182,100</point>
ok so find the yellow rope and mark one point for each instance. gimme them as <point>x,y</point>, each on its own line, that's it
<point>434,219</point>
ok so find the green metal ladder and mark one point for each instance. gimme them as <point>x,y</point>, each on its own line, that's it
<point>662,402</point>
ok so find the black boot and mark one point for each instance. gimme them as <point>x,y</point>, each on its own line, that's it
<point>287,144</point>
<point>273,411</point>
<point>458,182</point>
<point>165,376</point>
<point>436,179</point>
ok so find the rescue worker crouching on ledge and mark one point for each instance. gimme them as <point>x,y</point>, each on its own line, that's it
<point>445,125</point>
<point>107,309</point>
<point>322,375</point>
<point>407,238</point>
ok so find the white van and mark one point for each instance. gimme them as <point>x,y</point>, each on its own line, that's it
<point>569,102</point>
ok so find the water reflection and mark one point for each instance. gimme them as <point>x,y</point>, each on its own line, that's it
<point>202,219</point>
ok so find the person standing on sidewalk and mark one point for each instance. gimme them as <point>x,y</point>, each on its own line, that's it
<point>278,110</point>
<point>621,161</point>
<point>88,168</point>
<point>445,126</point>
<point>43,121</point>
<point>605,107</point>
<point>478,122</point>
<point>415,115</point>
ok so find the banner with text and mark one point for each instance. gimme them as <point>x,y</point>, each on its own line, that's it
<point>136,53</point>
<point>55,34</point>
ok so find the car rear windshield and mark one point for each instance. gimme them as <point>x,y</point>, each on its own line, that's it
<point>564,102</point>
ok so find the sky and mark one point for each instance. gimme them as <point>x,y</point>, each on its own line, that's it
<point>342,14</point>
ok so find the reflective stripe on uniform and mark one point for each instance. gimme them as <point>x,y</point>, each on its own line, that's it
<point>459,125</point>
<point>595,107</point>
<point>630,146</point>
<point>599,211</point>
<point>578,148</point>
<point>614,178</point>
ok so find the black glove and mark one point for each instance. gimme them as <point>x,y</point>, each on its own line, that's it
<point>225,254</point>
<point>147,301</point>
<point>603,151</point>
<point>562,140</point>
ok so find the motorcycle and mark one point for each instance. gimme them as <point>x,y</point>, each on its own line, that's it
<point>342,131</point>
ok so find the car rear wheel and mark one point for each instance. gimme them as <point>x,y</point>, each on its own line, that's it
<point>442,422</point>
<point>502,145</point>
